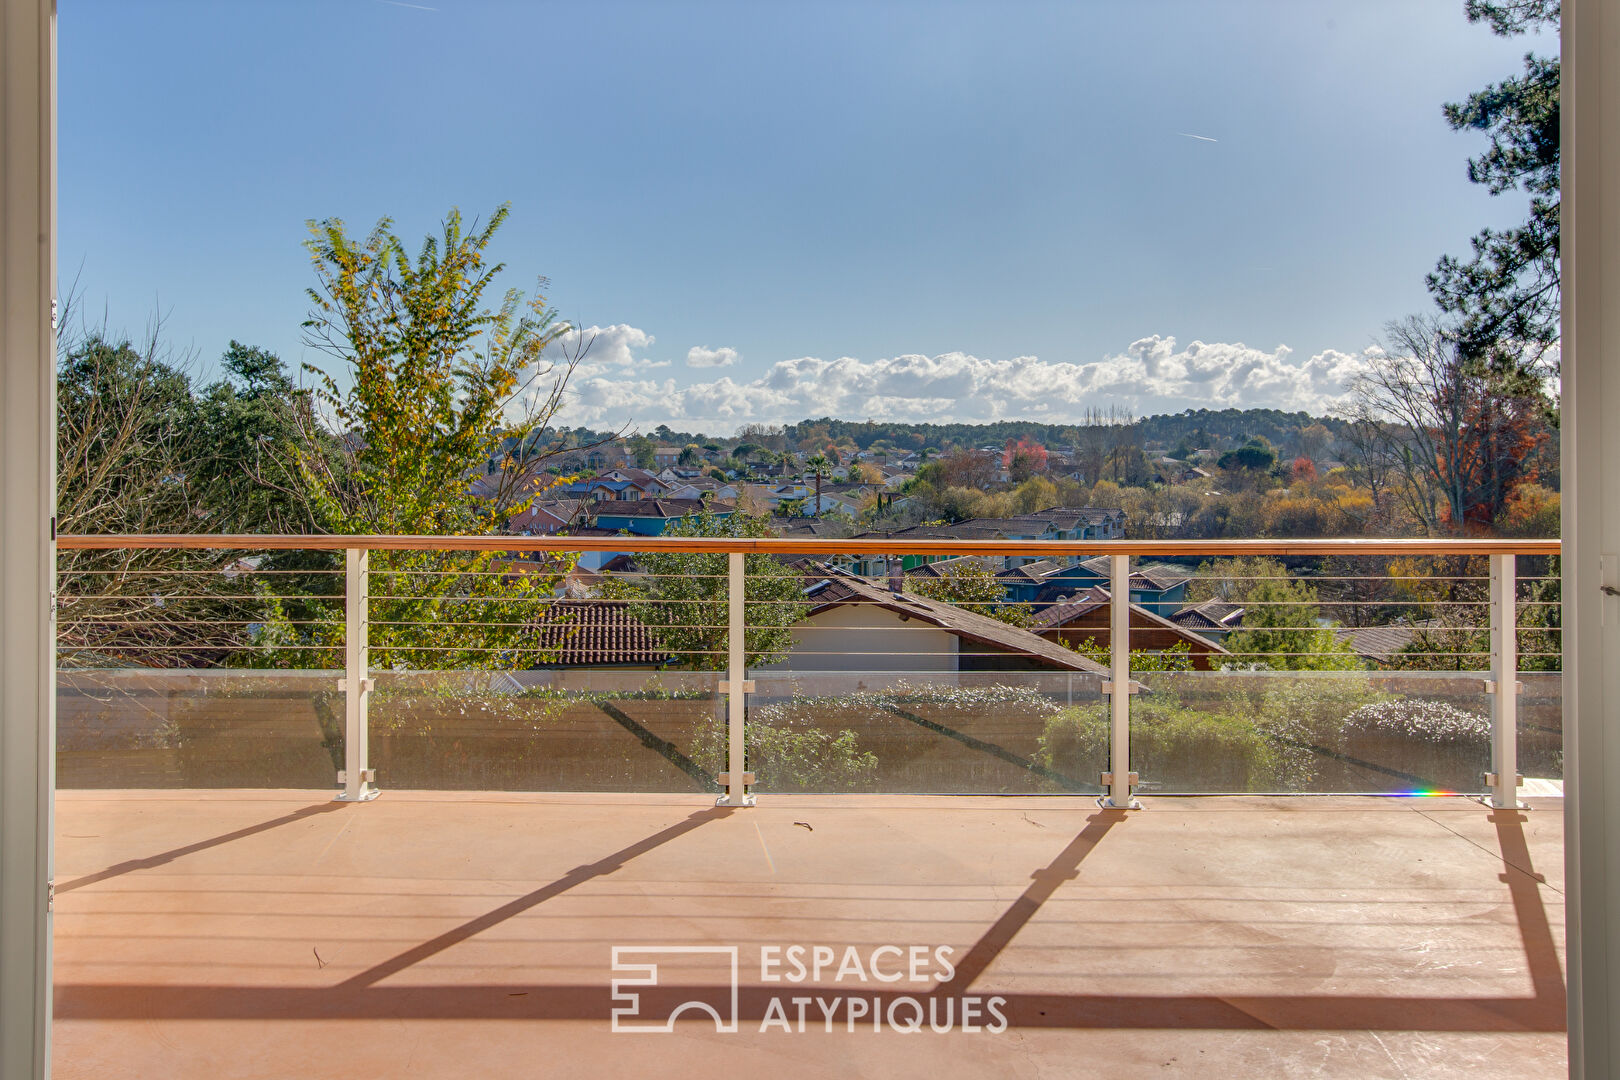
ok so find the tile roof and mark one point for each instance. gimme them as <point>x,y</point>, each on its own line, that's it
<point>593,632</point>
<point>1379,643</point>
<point>1210,615</point>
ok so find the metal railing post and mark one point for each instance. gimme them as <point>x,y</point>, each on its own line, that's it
<point>1503,779</point>
<point>356,778</point>
<point>1118,779</point>
<point>734,778</point>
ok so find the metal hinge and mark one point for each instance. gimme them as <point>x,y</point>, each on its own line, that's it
<point>1490,780</point>
<point>1130,778</point>
<point>1490,686</point>
<point>1134,687</point>
<point>366,685</point>
<point>50,895</point>
<point>724,778</point>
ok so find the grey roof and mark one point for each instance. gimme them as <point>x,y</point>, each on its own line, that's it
<point>1210,615</point>
<point>1378,643</point>
<point>1033,573</point>
<point>1159,576</point>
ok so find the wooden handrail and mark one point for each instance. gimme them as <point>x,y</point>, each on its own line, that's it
<point>791,546</point>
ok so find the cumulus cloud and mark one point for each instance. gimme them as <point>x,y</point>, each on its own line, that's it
<point>703,356</point>
<point>605,348</point>
<point>1153,374</point>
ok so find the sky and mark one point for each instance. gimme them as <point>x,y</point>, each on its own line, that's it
<point>765,211</point>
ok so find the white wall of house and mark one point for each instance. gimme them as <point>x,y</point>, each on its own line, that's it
<point>851,638</point>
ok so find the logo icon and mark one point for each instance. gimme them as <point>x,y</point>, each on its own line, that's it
<point>627,1014</point>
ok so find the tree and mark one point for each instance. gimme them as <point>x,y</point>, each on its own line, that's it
<point>971,586</point>
<point>1462,435</point>
<point>1023,459</point>
<point>1505,294</point>
<point>438,381</point>
<point>1282,629</point>
<point>1254,456</point>
<point>643,450</point>
<point>691,454</point>
<point>820,466</point>
<point>682,596</point>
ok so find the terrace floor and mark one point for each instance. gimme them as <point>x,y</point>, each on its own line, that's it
<point>276,934</point>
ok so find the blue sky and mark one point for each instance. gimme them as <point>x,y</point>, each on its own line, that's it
<point>772,210</point>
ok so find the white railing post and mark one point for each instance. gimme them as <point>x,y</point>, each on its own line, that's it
<point>1503,779</point>
<point>1118,778</point>
<point>356,777</point>
<point>734,778</point>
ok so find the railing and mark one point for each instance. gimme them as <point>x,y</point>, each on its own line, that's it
<point>493,595</point>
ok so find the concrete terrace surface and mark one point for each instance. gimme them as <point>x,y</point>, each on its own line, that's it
<point>279,934</point>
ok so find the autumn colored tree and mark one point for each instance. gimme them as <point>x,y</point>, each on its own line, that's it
<point>1023,459</point>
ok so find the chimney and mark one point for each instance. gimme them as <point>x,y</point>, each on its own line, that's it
<point>897,576</point>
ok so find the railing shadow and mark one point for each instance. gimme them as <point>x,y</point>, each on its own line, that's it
<point>359,997</point>
<point>153,861</point>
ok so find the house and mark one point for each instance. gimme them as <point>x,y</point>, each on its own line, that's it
<point>1159,587</point>
<point>650,517</point>
<point>1213,619</point>
<point>1088,616</point>
<point>544,518</point>
<point>854,625</point>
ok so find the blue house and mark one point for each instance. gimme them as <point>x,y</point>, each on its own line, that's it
<point>1158,587</point>
<point>650,517</point>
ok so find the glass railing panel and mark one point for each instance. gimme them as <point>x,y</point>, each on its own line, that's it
<point>573,729</point>
<point>922,732</point>
<point>1311,732</point>
<point>1541,725</point>
<point>180,728</point>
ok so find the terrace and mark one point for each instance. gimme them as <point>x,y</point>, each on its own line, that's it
<point>1209,873</point>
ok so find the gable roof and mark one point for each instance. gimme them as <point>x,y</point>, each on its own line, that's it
<point>1031,573</point>
<point>1157,576</point>
<point>833,588</point>
<point>1060,615</point>
<point>1210,615</point>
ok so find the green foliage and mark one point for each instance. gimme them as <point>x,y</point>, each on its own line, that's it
<point>1174,746</point>
<point>1507,292</point>
<point>972,586</point>
<point>682,596</point>
<point>439,381</point>
<point>1177,657</point>
<point>1256,455</point>
<point>1281,629</point>
<point>790,754</point>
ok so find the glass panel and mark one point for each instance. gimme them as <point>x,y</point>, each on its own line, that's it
<point>175,728</point>
<point>1541,725</point>
<point>924,732</point>
<point>1306,731</point>
<point>572,729</point>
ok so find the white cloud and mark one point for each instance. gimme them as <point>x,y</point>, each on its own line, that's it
<point>703,356</point>
<point>1151,375</point>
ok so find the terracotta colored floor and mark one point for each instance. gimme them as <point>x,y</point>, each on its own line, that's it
<point>275,934</point>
